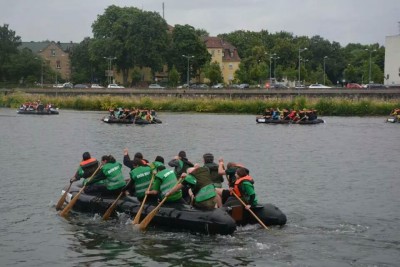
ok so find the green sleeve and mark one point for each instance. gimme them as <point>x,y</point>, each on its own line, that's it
<point>156,184</point>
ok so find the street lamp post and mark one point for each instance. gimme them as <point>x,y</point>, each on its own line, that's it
<point>110,59</point>
<point>41,76</point>
<point>270,68</point>
<point>188,72</point>
<point>300,50</point>
<point>325,57</point>
<point>275,58</point>
<point>370,63</point>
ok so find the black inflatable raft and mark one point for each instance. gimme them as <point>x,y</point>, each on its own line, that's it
<point>301,122</point>
<point>183,217</point>
<point>109,119</point>
<point>52,111</point>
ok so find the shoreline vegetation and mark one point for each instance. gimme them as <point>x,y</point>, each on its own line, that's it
<point>325,106</point>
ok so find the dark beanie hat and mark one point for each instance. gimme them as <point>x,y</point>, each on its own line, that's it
<point>86,156</point>
<point>159,159</point>
<point>182,154</point>
<point>208,158</point>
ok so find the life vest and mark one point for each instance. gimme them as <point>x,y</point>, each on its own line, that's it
<point>87,167</point>
<point>236,187</point>
<point>115,178</point>
<point>141,176</point>
<point>201,192</point>
<point>168,181</point>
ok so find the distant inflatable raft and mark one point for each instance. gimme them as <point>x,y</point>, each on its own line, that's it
<point>301,122</point>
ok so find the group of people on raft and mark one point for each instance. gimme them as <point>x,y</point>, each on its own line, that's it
<point>186,183</point>
<point>396,114</point>
<point>290,115</point>
<point>36,106</point>
<point>132,114</point>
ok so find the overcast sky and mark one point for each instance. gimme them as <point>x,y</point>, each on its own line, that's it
<point>343,21</point>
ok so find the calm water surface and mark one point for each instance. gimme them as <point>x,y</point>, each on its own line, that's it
<point>337,182</point>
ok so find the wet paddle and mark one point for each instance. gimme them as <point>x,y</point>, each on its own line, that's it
<point>252,213</point>
<point>62,199</point>
<point>109,211</point>
<point>143,225</point>
<point>138,214</point>
<point>67,209</point>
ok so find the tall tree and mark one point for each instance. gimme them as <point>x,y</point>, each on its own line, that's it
<point>186,42</point>
<point>134,37</point>
<point>9,43</point>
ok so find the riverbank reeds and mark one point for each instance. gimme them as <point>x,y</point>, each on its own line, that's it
<point>336,106</point>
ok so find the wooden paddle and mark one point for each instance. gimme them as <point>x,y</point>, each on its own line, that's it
<point>252,213</point>
<point>62,199</point>
<point>109,211</point>
<point>143,225</point>
<point>138,214</point>
<point>67,209</point>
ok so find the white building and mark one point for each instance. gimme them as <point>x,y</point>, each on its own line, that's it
<point>392,60</point>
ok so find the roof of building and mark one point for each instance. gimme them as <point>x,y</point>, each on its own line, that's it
<point>230,52</point>
<point>36,47</point>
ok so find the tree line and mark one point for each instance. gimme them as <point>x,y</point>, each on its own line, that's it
<point>133,39</point>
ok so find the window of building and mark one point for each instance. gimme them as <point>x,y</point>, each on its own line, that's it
<point>58,64</point>
<point>53,52</point>
<point>230,66</point>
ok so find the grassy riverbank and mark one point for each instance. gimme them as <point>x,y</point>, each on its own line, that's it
<point>336,106</point>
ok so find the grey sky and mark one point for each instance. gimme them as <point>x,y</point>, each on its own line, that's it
<point>343,21</point>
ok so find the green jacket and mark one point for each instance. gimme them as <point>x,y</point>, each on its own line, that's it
<point>164,181</point>
<point>114,177</point>
<point>141,177</point>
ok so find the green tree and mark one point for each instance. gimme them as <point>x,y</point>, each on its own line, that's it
<point>9,43</point>
<point>173,77</point>
<point>86,68</point>
<point>213,73</point>
<point>186,42</point>
<point>134,37</point>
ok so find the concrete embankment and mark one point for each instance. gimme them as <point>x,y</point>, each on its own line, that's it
<point>217,93</point>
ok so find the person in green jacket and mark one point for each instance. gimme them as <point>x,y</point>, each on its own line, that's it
<point>164,181</point>
<point>111,177</point>
<point>198,180</point>
<point>140,179</point>
<point>86,169</point>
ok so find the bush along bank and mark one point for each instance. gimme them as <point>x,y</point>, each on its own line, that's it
<point>337,106</point>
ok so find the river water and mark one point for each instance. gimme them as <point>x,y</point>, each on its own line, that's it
<point>338,183</point>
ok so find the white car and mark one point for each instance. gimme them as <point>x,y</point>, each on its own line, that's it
<point>218,85</point>
<point>96,86</point>
<point>114,85</point>
<point>318,85</point>
<point>155,86</point>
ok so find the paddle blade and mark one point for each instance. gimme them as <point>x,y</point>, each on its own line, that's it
<point>62,199</point>
<point>136,220</point>
<point>143,225</point>
<point>67,208</point>
<point>110,210</point>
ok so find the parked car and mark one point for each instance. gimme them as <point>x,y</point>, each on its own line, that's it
<point>375,86</point>
<point>114,85</point>
<point>199,86</point>
<point>80,86</point>
<point>68,85</point>
<point>95,85</point>
<point>218,85</point>
<point>244,85</point>
<point>353,86</point>
<point>155,86</point>
<point>58,85</point>
<point>318,85</point>
<point>278,86</point>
